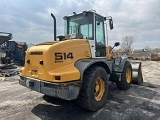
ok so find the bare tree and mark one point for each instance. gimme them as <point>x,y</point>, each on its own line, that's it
<point>126,43</point>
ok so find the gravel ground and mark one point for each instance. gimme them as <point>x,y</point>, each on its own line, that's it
<point>137,103</point>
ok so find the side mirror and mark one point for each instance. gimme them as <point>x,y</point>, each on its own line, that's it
<point>116,44</point>
<point>111,23</point>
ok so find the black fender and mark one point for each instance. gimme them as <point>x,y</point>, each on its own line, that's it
<point>83,64</point>
<point>118,68</point>
<point>119,64</point>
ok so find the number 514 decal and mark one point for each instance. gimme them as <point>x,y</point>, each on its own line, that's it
<point>59,56</point>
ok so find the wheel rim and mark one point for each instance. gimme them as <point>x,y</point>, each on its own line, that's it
<point>99,89</point>
<point>128,75</point>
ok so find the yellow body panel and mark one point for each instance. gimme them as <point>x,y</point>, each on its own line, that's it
<point>109,54</point>
<point>57,60</point>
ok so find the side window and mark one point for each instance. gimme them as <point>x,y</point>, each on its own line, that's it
<point>100,33</point>
<point>86,31</point>
<point>73,28</point>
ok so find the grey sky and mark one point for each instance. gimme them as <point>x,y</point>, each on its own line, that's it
<point>30,20</point>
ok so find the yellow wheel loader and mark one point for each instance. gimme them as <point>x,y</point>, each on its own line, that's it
<point>79,65</point>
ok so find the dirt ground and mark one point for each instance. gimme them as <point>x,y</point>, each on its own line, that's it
<point>137,103</point>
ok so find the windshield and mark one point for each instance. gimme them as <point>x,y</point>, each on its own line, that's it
<point>81,24</point>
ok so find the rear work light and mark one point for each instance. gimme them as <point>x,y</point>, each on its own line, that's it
<point>57,77</point>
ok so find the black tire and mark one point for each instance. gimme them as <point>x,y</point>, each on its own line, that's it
<point>88,97</point>
<point>125,84</point>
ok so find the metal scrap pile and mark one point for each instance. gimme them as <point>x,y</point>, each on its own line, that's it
<point>7,72</point>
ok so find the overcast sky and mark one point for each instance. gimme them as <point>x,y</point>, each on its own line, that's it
<point>30,20</point>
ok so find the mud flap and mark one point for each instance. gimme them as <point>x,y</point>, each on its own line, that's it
<point>137,77</point>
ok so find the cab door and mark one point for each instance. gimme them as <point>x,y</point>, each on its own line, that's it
<point>100,37</point>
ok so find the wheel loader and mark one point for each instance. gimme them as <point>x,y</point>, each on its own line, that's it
<point>79,65</point>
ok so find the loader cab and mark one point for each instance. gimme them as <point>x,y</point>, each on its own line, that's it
<point>88,25</point>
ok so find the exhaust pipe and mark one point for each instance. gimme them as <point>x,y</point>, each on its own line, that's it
<point>54,19</point>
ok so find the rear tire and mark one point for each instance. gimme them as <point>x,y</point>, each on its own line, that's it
<point>94,90</point>
<point>126,77</point>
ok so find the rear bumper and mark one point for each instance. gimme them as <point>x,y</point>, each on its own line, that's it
<point>67,91</point>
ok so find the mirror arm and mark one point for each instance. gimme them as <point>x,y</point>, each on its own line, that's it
<point>112,48</point>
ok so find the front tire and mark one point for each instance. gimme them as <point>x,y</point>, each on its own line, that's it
<point>94,90</point>
<point>126,77</point>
